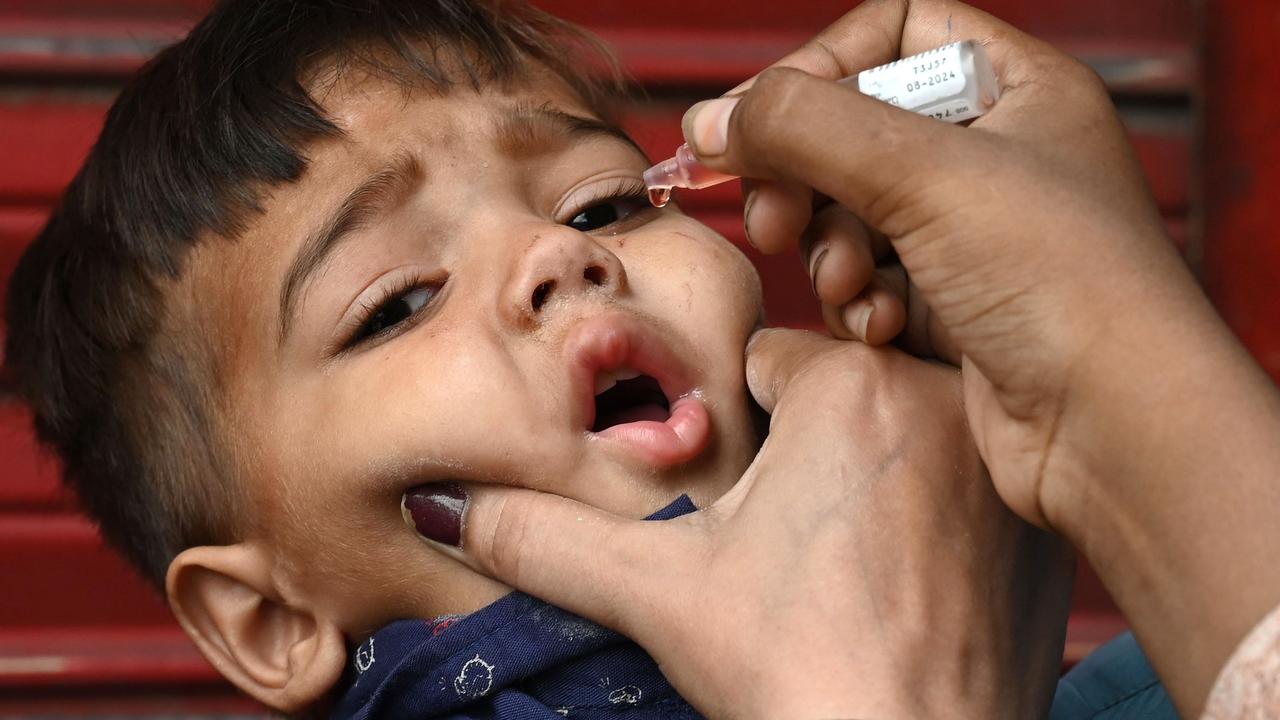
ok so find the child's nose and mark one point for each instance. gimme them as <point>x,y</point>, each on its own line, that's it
<point>558,264</point>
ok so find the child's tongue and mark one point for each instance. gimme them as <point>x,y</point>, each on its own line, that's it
<point>634,400</point>
<point>656,413</point>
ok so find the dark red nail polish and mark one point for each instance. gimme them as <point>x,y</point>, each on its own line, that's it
<point>436,510</point>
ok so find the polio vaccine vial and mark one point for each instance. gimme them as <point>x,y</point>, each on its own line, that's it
<point>952,83</point>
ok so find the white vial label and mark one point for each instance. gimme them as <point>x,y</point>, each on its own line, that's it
<point>953,83</point>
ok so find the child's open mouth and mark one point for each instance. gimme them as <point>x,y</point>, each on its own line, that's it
<point>636,394</point>
<point>627,396</point>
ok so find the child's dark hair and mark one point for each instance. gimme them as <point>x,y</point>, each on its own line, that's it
<point>131,407</point>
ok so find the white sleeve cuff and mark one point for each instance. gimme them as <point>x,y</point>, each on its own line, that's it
<point>1248,686</point>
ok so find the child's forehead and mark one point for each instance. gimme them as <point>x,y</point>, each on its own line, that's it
<point>445,135</point>
<point>372,105</point>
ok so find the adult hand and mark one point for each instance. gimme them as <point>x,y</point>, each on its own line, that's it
<point>865,548</point>
<point>1108,400</point>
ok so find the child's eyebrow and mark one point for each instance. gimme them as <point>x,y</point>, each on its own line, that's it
<point>528,129</point>
<point>379,191</point>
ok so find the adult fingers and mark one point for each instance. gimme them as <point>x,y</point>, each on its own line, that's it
<point>892,309</point>
<point>775,214</point>
<point>839,255</point>
<point>778,357</point>
<point>925,335</point>
<point>877,315</point>
<point>583,559</point>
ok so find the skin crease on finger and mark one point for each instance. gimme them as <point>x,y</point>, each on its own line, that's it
<point>327,441</point>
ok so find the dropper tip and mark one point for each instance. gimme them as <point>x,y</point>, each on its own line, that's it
<point>663,174</point>
<point>659,179</point>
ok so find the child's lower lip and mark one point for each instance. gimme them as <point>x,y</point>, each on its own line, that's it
<point>680,439</point>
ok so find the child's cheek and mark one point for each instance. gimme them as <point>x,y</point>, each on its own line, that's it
<point>733,270</point>
<point>708,273</point>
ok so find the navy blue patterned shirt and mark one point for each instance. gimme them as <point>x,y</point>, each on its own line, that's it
<point>516,658</point>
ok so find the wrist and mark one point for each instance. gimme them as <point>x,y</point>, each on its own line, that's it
<point>1175,437</point>
<point>1178,407</point>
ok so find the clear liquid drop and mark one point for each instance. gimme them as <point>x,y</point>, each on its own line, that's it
<point>659,196</point>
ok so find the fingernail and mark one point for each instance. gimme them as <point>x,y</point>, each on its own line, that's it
<point>746,218</point>
<point>757,336</point>
<point>857,318</point>
<point>815,259</point>
<point>435,510</point>
<point>706,126</point>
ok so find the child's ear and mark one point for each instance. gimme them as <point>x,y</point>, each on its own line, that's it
<point>280,652</point>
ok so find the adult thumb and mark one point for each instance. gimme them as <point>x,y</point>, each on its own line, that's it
<point>778,357</point>
<point>598,565</point>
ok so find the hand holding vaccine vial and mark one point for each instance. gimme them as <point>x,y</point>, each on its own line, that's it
<point>953,83</point>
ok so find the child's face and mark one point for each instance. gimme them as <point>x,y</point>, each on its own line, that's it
<point>499,262</point>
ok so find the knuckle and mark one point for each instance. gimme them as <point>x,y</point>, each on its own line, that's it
<point>505,544</point>
<point>768,110</point>
<point>889,138</point>
<point>828,56</point>
<point>843,371</point>
<point>836,370</point>
<point>765,345</point>
<point>1071,78</point>
<point>773,81</point>
<point>830,219</point>
<point>622,596</point>
<point>1084,80</point>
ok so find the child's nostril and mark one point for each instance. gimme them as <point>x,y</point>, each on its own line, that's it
<point>595,275</point>
<point>541,293</point>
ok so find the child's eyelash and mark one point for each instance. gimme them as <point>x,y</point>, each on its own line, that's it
<point>369,309</point>
<point>623,188</point>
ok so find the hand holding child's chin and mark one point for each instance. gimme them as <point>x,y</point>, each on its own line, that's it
<point>864,552</point>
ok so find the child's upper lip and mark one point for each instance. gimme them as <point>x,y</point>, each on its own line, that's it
<point>620,340</point>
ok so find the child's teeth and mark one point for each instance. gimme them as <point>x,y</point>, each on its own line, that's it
<point>608,379</point>
<point>604,382</point>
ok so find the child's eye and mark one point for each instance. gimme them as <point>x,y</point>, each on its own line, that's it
<point>607,212</point>
<point>398,307</point>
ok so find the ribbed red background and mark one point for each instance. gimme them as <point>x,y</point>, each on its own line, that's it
<point>77,629</point>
